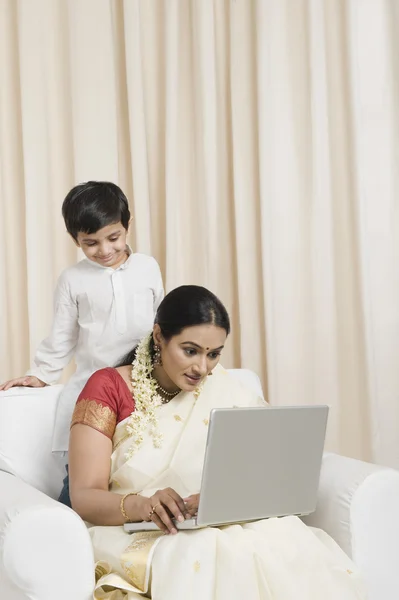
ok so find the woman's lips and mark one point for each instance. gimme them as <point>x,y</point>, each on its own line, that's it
<point>192,380</point>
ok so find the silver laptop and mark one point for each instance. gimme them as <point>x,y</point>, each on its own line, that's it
<point>259,463</point>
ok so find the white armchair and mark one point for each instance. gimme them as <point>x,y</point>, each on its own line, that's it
<point>45,550</point>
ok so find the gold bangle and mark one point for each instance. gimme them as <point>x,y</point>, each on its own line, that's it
<point>122,506</point>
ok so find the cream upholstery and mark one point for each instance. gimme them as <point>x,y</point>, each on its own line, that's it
<point>358,506</point>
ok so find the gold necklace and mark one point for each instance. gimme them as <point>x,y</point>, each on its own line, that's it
<point>169,395</point>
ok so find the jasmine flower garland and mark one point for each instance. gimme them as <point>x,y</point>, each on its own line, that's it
<point>146,399</point>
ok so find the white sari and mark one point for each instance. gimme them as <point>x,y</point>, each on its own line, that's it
<point>272,559</point>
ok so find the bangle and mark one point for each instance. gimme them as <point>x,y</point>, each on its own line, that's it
<point>122,506</point>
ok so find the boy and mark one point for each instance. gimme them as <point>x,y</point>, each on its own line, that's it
<point>103,305</point>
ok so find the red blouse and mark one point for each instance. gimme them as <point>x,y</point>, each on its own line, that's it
<point>104,402</point>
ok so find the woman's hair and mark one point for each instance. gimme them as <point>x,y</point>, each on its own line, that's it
<point>90,206</point>
<point>185,306</point>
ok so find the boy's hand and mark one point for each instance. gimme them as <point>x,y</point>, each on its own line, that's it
<point>28,381</point>
<point>192,504</point>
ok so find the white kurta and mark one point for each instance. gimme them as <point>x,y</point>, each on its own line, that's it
<point>100,314</point>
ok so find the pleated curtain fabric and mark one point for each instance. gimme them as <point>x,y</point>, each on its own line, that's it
<point>257,141</point>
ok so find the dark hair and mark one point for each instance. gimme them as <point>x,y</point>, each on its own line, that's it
<point>185,306</point>
<point>93,205</point>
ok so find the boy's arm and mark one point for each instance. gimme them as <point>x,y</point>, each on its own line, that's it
<point>56,351</point>
<point>159,292</point>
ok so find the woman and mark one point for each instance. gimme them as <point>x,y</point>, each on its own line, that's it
<point>137,443</point>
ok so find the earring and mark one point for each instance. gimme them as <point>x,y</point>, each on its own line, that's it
<point>157,362</point>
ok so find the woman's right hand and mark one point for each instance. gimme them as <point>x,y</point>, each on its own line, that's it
<point>164,506</point>
<point>28,381</point>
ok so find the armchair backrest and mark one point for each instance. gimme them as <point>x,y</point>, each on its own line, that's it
<point>249,379</point>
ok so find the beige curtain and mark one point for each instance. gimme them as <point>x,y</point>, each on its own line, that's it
<point>258,144</point>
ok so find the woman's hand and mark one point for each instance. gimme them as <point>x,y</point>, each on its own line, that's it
<point>28,381</point>
<point>164,506</point>
<point>192,503</point>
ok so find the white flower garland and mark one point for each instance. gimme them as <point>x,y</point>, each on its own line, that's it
<point>146,399</point>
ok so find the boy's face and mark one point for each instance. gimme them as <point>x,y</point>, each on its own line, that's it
<point>106,247</point>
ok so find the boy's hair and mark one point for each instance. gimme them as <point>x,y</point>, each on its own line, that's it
<point>93,205</point>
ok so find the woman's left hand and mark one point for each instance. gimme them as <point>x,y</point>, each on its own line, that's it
<point>192,503</point>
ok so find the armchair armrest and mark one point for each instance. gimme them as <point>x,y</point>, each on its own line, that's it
<point>358,506</point>
<point>26,430</point>
<point>45,548</point>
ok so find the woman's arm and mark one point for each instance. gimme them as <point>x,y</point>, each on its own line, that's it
<point>89,470</point>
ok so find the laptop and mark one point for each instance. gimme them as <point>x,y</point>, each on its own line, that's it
<point>259,463</point>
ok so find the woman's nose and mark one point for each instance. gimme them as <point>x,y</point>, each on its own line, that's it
<point>202,366</point>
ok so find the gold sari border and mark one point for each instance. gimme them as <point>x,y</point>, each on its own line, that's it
<point>91,413</point>
<point>136,558</point>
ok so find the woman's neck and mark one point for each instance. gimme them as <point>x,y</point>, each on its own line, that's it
<point>164,381</point>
